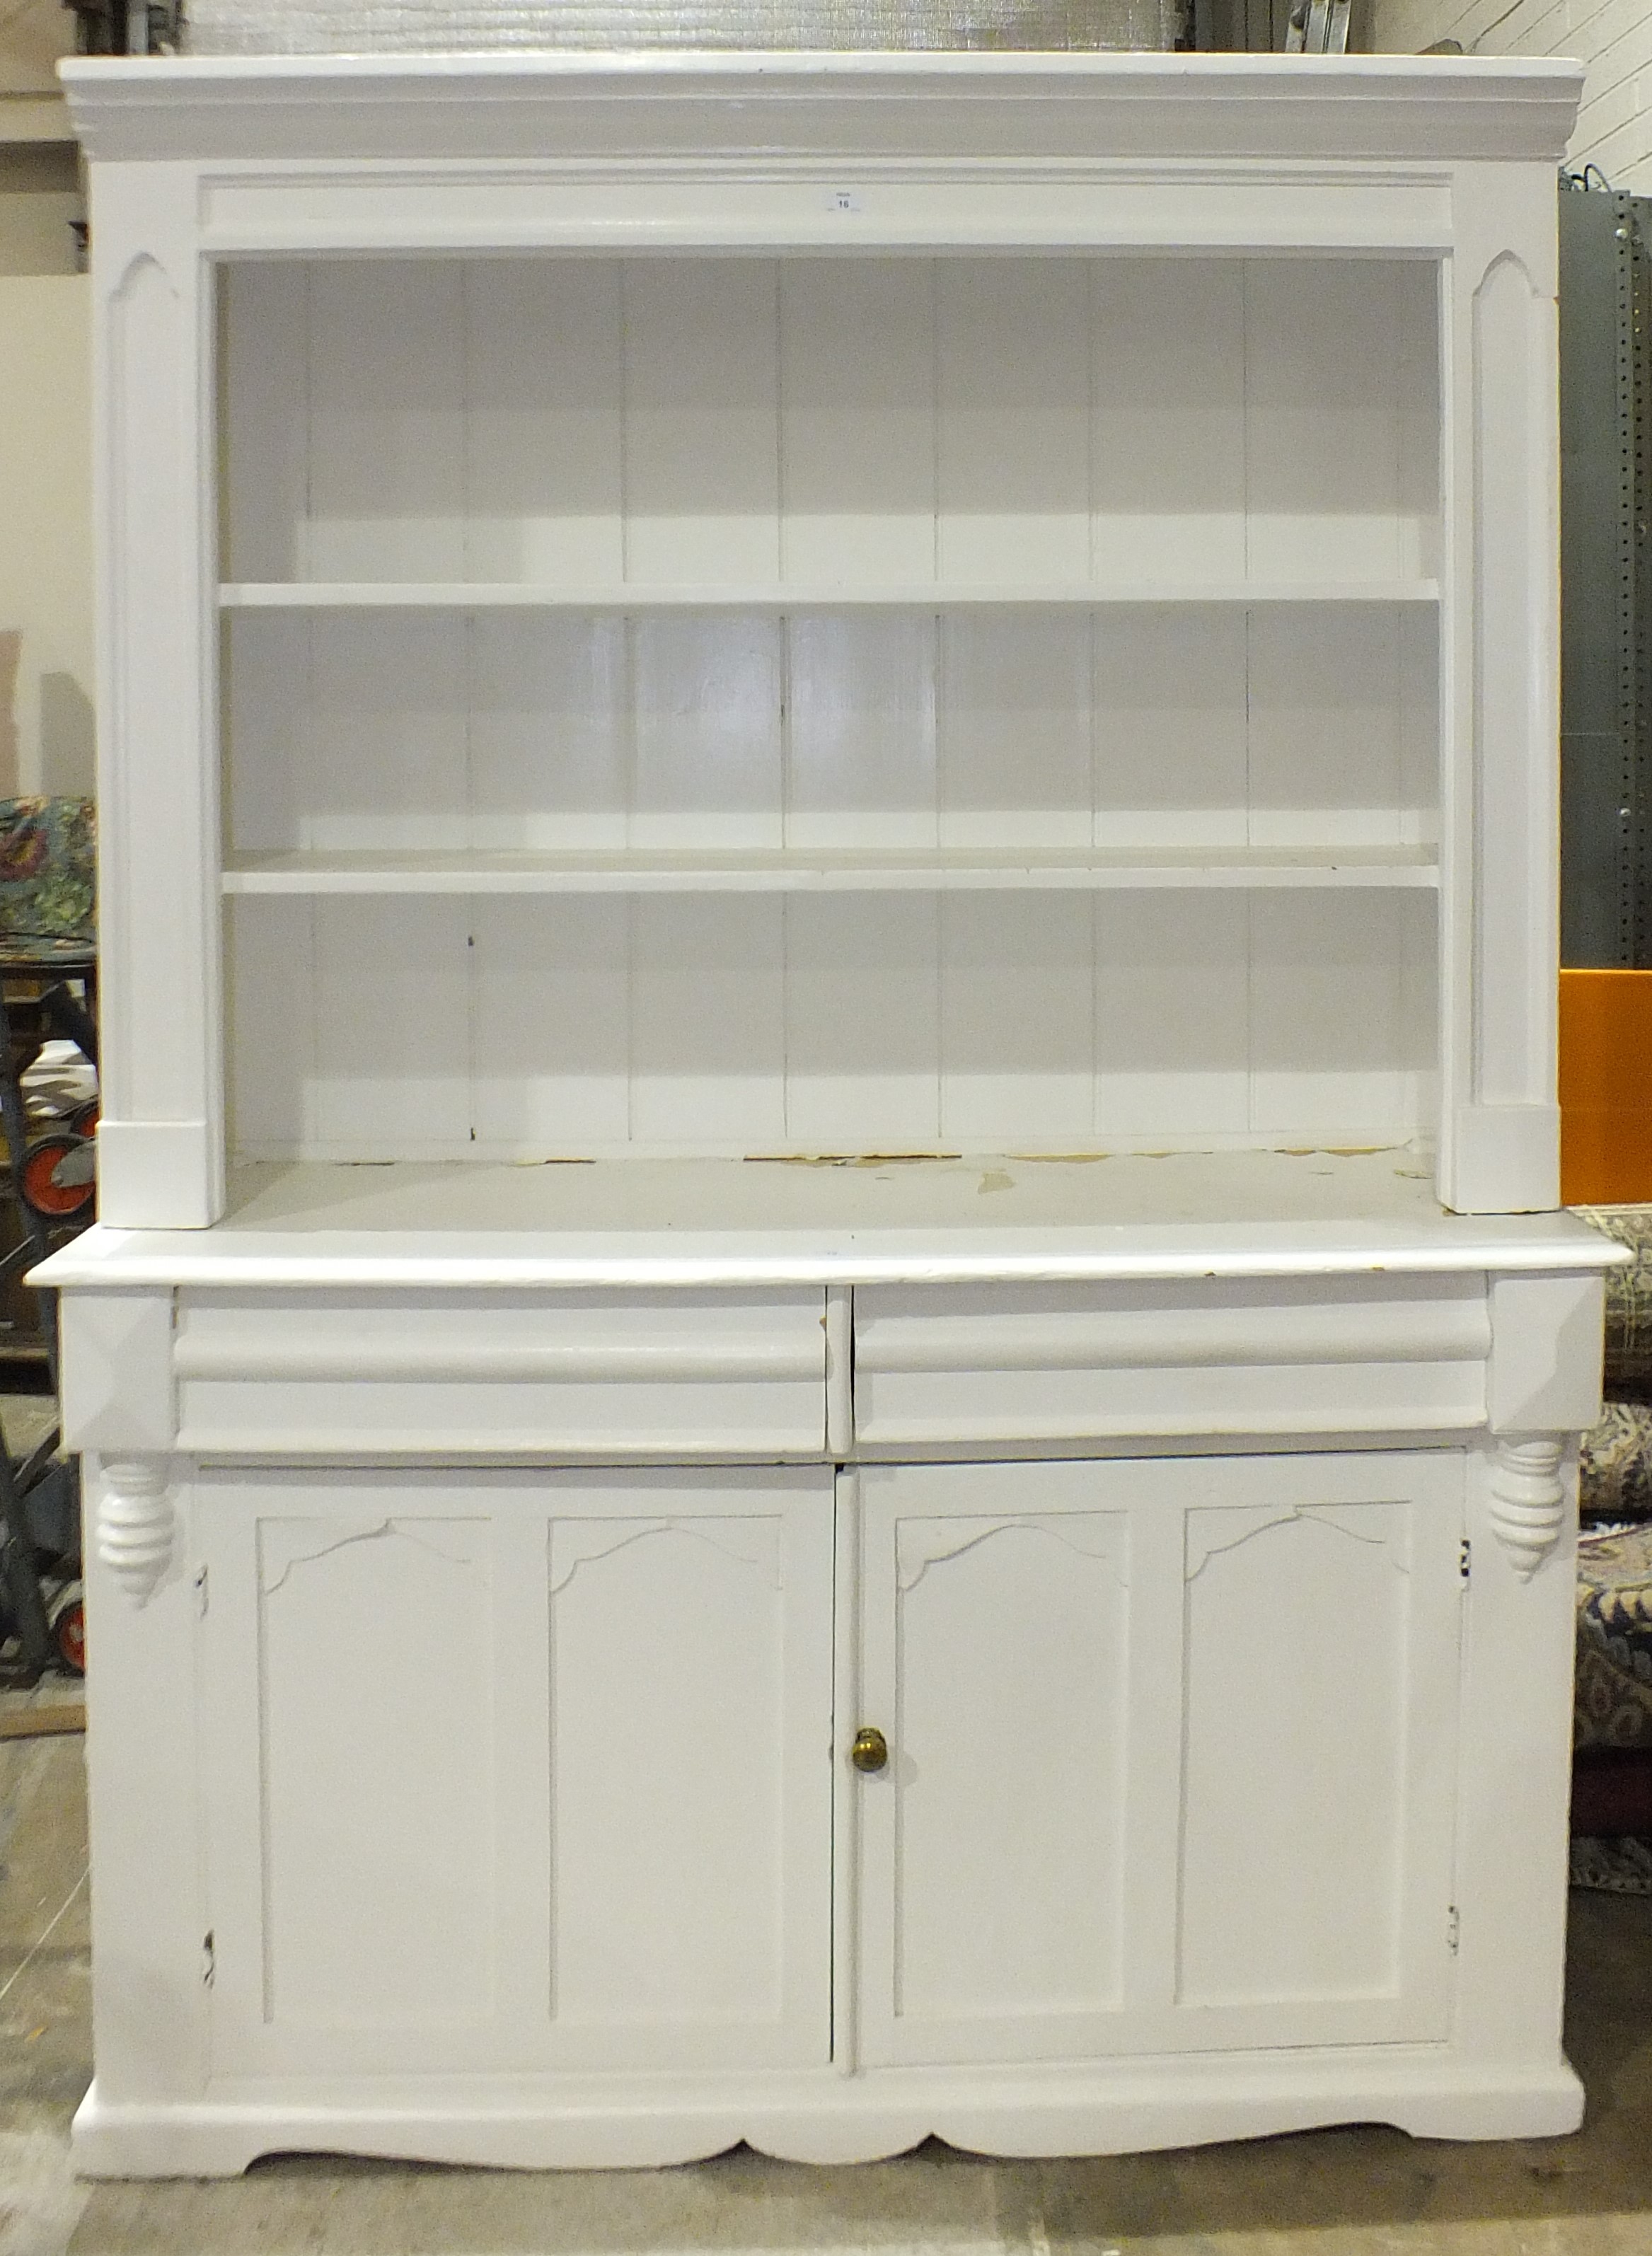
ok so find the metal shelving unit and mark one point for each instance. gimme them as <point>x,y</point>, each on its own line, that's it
<point>1605,425</point>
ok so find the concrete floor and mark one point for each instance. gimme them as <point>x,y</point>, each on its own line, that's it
<point>1334,2193</point>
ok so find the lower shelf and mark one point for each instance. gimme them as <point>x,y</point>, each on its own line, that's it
<point>866,871</point>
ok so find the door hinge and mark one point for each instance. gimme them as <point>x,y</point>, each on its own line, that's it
<point>208,1960</point>
<point>1453,1930</point>
<point>1464,1558</point>
<point>201,1594</point>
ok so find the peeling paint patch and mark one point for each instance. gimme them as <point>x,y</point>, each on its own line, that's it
<point>1059,1159</point>
<point>847,1158</point>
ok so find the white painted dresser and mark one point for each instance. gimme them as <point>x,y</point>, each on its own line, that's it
<point>828,1383</point>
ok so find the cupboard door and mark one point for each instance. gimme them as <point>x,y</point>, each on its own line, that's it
<point>995,1658</point>
<point>1172,1755</point>
<point>520,1769</point>
<point>690,1703</point>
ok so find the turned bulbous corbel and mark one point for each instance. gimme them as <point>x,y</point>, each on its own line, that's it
<point>134,1524</point>
<point>1528,1498</point>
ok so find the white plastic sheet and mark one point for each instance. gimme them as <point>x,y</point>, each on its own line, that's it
<point>225,27</point>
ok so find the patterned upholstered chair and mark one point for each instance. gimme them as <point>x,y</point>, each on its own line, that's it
<point>1611,1791</point>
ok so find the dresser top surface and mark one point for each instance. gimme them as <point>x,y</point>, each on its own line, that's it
<point>833,1220</point>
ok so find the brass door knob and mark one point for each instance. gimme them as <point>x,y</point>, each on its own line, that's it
<point>871,1750</point>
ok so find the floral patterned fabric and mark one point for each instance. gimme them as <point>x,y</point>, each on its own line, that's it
<point>1613,1698</point>
<point>1612,1868</point>
<point>1614,1466</point>
<point>1628,1297</point>
<point>48,884</point>
<point>1613,1695</point>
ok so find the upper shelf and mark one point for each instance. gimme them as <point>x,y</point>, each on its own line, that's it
<point>496,595</point>
<point>606,432</point>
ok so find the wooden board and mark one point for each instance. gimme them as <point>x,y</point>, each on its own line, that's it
<point>1605,1088</point>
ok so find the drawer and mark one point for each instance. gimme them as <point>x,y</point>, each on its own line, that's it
<point>568,1374</point>
<point>966,1365</point>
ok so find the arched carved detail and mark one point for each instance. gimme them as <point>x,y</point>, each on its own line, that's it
<point>751,1542</point>
<point>1492,270</point>
<point>303,1549</point>
<point>922,1544</point>
<point>136,273</point>
<point>1210,1533</point>
<point>1528,1506</point>
<point>135,1524</point>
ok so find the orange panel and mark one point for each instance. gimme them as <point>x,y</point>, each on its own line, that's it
<point>1605,1088</point>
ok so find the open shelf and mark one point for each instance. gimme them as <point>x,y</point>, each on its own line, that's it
<point>395,1027</point>
<point>712,705</point>
<point>627,597</point>
<point>849,873</point>
<point>753,431</point>
<point>543,751</point>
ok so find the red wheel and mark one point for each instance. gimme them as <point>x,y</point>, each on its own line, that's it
<point>84,1122</point>
<point>60,1176</point>
<point>69,1629</point>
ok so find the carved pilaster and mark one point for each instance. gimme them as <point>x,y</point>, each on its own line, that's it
<point>1528,1507</point>
<point>1499,808</point>
<point>135,1524</point>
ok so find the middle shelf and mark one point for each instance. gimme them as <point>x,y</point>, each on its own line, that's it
<point>525,751</point>
<point>625,598</point>
<point>847,871</point>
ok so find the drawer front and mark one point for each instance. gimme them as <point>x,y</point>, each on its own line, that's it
<point>572,1374</point>
<point>1074,1363</point>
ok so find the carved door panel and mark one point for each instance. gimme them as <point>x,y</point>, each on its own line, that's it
<point>520,1769</point>
<point>1172,1755</point>
<point>994,1645</point>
